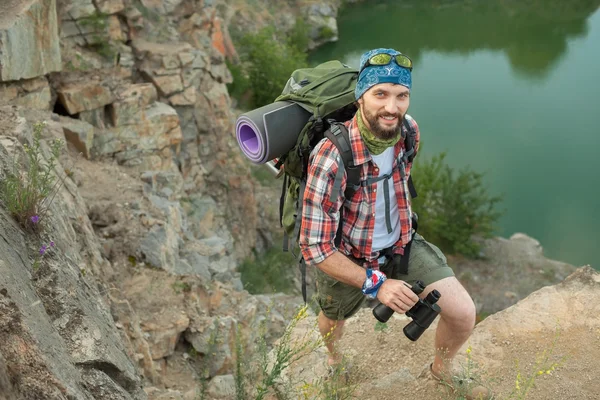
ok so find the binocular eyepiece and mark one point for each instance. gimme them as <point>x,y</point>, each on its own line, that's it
<point>423,313</point>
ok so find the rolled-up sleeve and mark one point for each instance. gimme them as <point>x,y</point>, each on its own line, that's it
<point>320,213</point>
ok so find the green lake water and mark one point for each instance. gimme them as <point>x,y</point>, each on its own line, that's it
<point>511,89</point>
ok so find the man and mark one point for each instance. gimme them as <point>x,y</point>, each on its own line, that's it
<point>376,221</point>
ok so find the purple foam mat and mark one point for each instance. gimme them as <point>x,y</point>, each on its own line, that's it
<point>250,139</point>
<point>270,131</point>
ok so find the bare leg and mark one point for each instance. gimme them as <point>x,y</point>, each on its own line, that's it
<point>331,330</point>
<point>456,323</point>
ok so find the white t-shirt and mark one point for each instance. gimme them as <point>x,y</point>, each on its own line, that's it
<point>381,238</point>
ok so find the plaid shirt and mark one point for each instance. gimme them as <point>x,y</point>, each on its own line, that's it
<point>320,213</point>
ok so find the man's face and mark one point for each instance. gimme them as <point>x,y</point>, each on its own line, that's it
<point>383,108</point>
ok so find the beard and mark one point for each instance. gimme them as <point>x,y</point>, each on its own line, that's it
<point>380,131</point>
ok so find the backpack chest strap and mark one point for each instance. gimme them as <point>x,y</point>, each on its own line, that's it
<point>386,194</point>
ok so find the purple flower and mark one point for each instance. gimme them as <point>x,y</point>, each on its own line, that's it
<point>51,244</point>
<point>43,250</point>
<point>35,219</point>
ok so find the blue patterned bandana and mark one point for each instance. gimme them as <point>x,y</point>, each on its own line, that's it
<point>376,74</point>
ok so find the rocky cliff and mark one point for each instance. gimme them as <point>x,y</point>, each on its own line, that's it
<point>156,206</point>
<point>155,210</point>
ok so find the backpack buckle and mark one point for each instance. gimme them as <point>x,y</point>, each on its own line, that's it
<point>335,129</point>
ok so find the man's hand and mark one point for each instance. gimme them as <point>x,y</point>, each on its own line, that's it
<point>397,295</point>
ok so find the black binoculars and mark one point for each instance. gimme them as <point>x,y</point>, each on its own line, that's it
<point>423,312</point>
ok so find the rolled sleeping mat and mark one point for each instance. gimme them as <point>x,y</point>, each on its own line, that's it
<point>270,131</point>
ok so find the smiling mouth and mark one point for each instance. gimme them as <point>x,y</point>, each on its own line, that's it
<point>389,118</point>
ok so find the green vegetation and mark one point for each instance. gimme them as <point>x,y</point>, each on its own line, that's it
<point>180,287</point>
<point>545,364</point>
<point>95,34</point>
<point>267,59</point>
<point>453,207</point>
<point>380,326</point>
<point>270,272</point>
<point>104,48</point>
<point>261,376</point>
<point>28,190</point>
<point>463,383</point>
<point>78,63</point>
<point>96,21</point>
<point>258,369</point>
<point>326,32</point>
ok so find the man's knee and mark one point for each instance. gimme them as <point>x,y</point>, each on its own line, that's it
<point>457,305</point>
<point>464,313</point>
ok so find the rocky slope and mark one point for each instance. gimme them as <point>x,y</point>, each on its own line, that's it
<point>555,330</point>
<point>157,207</point>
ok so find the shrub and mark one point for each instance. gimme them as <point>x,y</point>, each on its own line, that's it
<point>28,191</point>
<point>326,33</point>
<point>453,206</point>
<point>270,272</point>
<point>266,63</point>
<point>298,37</point>
<point>260,374</point>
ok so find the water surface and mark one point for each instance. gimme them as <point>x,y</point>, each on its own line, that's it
<point>509,89</point>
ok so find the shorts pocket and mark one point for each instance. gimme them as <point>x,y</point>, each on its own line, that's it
<point>425,254</point>
<point>330,306</point>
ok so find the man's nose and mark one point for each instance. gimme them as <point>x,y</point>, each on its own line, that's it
<point>391,106</point>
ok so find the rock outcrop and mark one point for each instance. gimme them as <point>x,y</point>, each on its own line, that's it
<point>241,17</point>
<point>58,335</point>
<point>508,271</point>
<point>30,46</point>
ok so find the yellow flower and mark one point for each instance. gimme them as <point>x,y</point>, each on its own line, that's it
<point>302,313</point>
<point>469,350</point>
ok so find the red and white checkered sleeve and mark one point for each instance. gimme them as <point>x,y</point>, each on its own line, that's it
<point>320,213</point>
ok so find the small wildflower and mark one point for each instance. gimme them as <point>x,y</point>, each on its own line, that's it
<point>303,313</point>
<point>469,350</point>
<point>51,244</point>
<point>35,219</point>
<point>43,250</point>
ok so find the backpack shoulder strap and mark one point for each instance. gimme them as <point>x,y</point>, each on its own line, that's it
<point>340,137</point>
<point>410,142</point>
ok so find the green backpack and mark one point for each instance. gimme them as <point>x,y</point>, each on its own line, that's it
<point>327,92</point>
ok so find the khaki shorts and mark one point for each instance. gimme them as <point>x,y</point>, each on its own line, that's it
<point>339,301</point>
